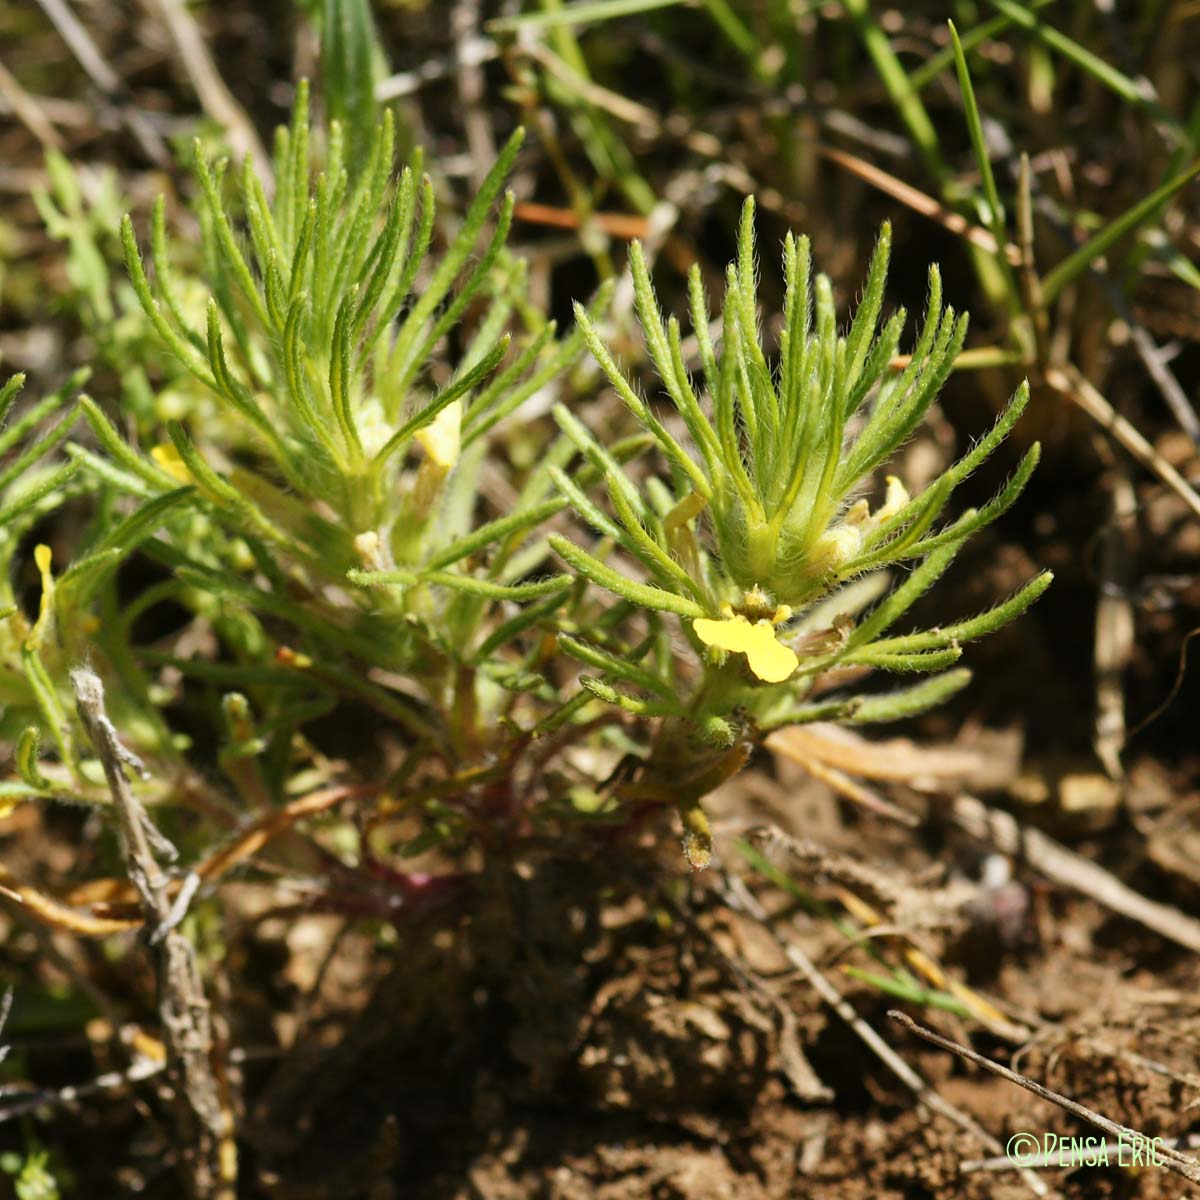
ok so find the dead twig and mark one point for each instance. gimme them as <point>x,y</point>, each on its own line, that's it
<point>1170,1158</point>
<point>183,1008</point>
<point>20,1102</point>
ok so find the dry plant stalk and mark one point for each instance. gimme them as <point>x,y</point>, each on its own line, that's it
<point>182,1006</point>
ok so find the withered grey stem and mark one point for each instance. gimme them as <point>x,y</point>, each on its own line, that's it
<point>182,1007</point>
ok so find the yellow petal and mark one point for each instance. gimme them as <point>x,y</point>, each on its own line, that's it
<point>897,497</point>
<point>733,633</point>
<point>859,513</point>
<point>42,557</point>
<point>768,657</point>
<point>167,458</point>
<point>441,439</point>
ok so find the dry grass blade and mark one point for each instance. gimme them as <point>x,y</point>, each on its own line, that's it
<point>112,893</point>
<point>854,879</point>
<point>986,1013</point>
<point>481,145</point>
<point>58,915</point>
<point>94,64</point>
<point>919,201</point>
<point>1164,379</point>
<point>894,760</point>
<point>27,110</point>
<point>215,97</point>
<point>1070,382</point>
<point>1114,624</point>
<point>856,793</point>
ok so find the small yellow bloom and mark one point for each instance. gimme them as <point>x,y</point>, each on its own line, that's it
<point>842,542</point>
<point>768,658</point>
<point>166,457</point>
<point>42,558</point>
<point>441,439</point>
<point>897,497</point>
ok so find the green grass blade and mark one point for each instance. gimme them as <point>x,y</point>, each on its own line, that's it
<point>995,210</point>
<point>1084,59</point>
<point>1075,264</point>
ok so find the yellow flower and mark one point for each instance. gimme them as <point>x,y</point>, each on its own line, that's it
<point>167,458</point>
<point>842,542</point>
<point>767,657</point>
<point>42,558</point>
<point>897,497</point>
<point>441,439</point>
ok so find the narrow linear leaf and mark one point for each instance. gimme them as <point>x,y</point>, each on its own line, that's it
<point>642,594</point>
<point>464,583</point>
<point>37,493</point>
<point>1075,264</point>
<point>611,664</point>
<point>630,704</point>
<point>976,627</point>
<point>527,618</point>
<point>910,702</point>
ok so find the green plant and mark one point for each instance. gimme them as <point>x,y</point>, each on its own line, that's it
<point>317,508</point>
<point>31,1179</point>
<point>761,541</point>
<point>356,475</point>
<point>315,502</point>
